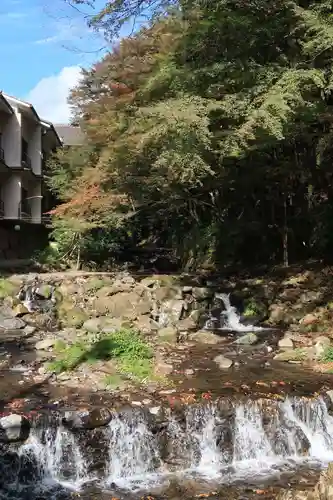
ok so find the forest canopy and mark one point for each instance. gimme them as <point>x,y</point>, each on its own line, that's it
<point>208,132</point>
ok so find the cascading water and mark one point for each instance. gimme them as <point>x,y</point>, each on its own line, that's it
<point>229,319</point>
<point>248,441</point>
<point>133,453</point>
<point>58,455</point>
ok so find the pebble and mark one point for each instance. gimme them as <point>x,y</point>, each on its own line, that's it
<point>189,372</point>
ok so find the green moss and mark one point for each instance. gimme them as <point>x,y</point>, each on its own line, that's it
<point>45,291</point>
<point>292,355</point>
<point>327,356</point>
<point>75,317</point>
<point>8,288</point>
<point>254,309</point>
<point>96,284</point>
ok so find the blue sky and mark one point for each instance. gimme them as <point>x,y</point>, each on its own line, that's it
<point>43,44</point>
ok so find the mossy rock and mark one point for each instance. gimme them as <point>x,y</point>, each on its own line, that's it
<point>95,284</point>
<point>8,288</point>
<point>294,355</point>
<point>57,295</point>
<point>255,309</point>
<point>74,317</point>
<point>45,291</point>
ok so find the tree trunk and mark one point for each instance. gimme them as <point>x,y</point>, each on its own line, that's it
<point>285,234</point>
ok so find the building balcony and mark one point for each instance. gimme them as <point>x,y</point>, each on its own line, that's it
<point>24,211</point>
<point>26,161</point>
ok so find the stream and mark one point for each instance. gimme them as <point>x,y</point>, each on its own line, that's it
<point>266,425</point>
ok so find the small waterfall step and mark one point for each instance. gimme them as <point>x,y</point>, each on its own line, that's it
<point>223,443</point>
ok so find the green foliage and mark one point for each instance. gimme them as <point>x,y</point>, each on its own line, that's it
<point>327,356</point>
<point>209,132</point>
<point>7,288</point>
<point>132,353</point>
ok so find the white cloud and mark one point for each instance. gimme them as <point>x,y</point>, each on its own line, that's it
<point>49,96</point>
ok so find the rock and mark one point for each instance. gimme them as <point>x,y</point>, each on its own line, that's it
<point>329,395</point>
<point>122,305</point>
<point>155,410</point>
<point>167,293</point>
<point>20,310</point>
<point>163,368</point>
<point>276,314</point>
<point>93,325</point>
<point>11,323</point>
<point>171,311</point>
<point>103,324</point>
<point>196,314</point>
<point>286,343</point>
<point>247,339</point>
<point>87,419</point>
<point>74,317</point>
<point>201,293</point>
<point>46,344</point>
<point>322,343</point>
<point>94,284</point>
<point>40,320</point>
<point>205,337</point>
<point>168,334</point>
<point>29,330</point>
<point>185,324</point>
<point>222,362</point>
<point>311,296</point>
<point>148,282</point>
<point>294,355</point>
<point>45,291</point>
<point>143,324</point>
<point>322,491</point>
<point>187,289</point>
<point>189,372</point>
<point>14,428</point>
<point>308,319</point>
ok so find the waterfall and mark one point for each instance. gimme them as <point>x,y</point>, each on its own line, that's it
<point>58,456</point>
<point>133,453</point>
<point>230,319</point>
<point>223,441</point>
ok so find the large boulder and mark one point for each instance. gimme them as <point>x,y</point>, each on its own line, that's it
<point>14,428</point>
<point>11,323</point>
<point>206,337</point>
<point>170,312</point>
<point>122,305</point>
<point>86,419</point>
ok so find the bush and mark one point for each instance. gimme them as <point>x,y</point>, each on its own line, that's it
<point>132,353</point>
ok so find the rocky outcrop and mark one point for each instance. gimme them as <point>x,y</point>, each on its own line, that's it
<point>14,428</point>
<point>86,419</point>
<point>322,491</point>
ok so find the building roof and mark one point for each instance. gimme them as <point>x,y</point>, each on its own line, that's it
<point>70,135</point>
<point>26,106</point>
<point>5,103</point>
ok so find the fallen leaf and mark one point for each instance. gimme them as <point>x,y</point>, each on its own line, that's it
<point>262,384</point>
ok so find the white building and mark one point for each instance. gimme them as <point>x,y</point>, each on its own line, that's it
<point>26,141</point>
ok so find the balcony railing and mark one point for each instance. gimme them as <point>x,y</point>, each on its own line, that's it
<point>25,210</point>
<point>2,209</point>
<point>26,161</point>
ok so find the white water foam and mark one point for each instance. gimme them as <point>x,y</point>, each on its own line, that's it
<point>253,440</point>
<point>133,454</point>
<point>60,460</point>
<point>230,319</point>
